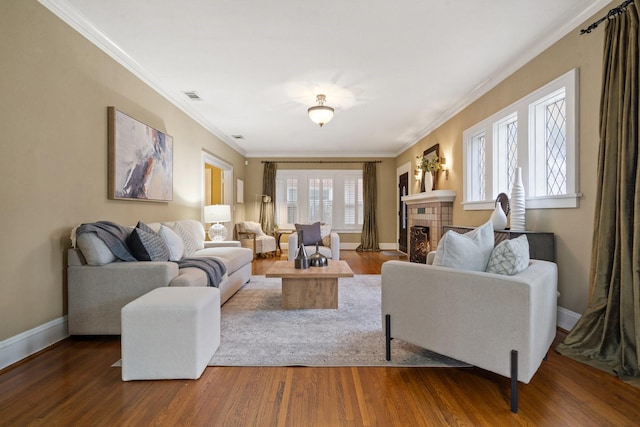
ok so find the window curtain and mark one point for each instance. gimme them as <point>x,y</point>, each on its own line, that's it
<point>369,237</point>
<point>607,336</point>
<point>267,209</point>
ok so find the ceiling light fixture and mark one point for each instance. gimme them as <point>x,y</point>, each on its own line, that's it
<point>320,113</point>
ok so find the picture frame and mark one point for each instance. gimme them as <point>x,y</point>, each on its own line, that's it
<point>140,160</point>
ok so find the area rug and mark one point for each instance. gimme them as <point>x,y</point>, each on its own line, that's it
<point>255,331</point>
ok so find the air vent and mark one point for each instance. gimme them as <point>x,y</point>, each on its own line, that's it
<point>193,96</point>
<point>237,136</point>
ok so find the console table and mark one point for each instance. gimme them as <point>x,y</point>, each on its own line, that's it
<point>541,244</point>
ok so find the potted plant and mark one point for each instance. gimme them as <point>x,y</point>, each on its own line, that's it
<point>431,164</point>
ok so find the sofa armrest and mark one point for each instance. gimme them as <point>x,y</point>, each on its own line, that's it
<point>98,293</point>
<point>248,235</point>
<point>335,246</point>
<point>475,317</point>
<point>292,246</point>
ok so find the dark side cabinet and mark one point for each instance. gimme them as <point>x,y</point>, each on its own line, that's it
<point>541,245</point>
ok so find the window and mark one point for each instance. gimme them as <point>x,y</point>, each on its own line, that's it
<point>330,196</point>
<point>538,134</point>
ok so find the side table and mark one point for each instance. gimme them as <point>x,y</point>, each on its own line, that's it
<point>278,234</point>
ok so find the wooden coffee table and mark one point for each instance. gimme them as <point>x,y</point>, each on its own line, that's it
<point>315,287</point>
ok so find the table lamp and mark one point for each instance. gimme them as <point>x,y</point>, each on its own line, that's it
<point>216,214</point>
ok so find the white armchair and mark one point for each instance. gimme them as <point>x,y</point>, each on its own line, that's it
<point>332,252</point>
<point>251,236</point>
<point>504,324</point>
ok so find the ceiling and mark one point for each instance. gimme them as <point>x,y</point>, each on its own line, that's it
<point>393,71</point>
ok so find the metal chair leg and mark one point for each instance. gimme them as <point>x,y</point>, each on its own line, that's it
<point>387,328</point>
<point>514,381</point>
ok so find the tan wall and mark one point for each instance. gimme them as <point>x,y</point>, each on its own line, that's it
<point>573,228</point>
<point>55,88</point>
<point>386,210</point>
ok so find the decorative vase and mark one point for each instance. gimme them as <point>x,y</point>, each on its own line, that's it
<point>317,259</point>
<point>302,261</point>
<point>427,182</point>
<point>498,218</point>
<point>517,202</point>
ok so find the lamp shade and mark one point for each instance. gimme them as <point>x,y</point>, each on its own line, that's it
<point>217,213</point>
<point>320,114</point>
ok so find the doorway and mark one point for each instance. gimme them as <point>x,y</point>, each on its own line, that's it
<point>217,183</point>
<point>213,188</point>
<point>403,190</point>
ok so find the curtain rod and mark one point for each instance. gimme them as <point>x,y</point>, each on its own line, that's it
<point>322,161</point>
<point>613,12</point>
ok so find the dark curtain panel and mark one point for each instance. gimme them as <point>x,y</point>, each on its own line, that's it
<point>369,238</point>
<point>607,336</point>
<point>267,209</point>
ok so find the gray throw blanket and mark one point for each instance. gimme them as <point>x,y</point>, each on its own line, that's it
<point>214,268</point>
<point>112,234</point>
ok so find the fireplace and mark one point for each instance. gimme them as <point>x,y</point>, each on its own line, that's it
<point>419,245</point>
<point>431,210</point>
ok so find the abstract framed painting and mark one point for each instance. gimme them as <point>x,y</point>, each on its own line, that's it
<point>140,160</point>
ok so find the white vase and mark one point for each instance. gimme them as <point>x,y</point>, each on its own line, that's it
<point>428,181</point>
<point>499,218</point>
<point>517,202</point>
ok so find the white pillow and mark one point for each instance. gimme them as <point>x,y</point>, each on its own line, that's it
<point>173,242</point>
<point>254,227</point>
<point>190,245</point>
<point>510,256</point>
<point>469,251</point>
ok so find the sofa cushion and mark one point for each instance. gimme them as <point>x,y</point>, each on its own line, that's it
<point>510,256</point>
<point>173,242</point>
<point>146,245</point>
<point>190,276</point>
<point>233,258</point>
<point>94,250</point>
<point>469,251</point>
<point>310,233</point>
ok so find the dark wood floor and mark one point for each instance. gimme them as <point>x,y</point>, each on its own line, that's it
<point>72,384</point>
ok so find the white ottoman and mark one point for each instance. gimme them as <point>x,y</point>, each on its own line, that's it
<point>170,333</point>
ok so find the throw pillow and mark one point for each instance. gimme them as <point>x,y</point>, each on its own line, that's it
<point>254,227</point>
<point>146,245</point>
<point>469,251</point>
<point>173,242</point>
<point>190,245</point>
<point>94,250</point>
<point>325,232</point>
<point>510,256</point>
<point>310,233</point>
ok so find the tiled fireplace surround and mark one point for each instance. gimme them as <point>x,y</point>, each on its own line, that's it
<point>431,209</point>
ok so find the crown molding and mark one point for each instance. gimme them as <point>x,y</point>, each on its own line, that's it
<point>76,20</point>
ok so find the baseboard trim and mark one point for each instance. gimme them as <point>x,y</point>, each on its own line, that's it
<point>23,345</point>
<point>567,319</point>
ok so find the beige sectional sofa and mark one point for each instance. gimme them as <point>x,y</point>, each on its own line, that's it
<point>99,285</point>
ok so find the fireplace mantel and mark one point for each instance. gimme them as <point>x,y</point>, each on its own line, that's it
<point>435,196</point>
